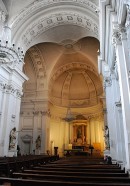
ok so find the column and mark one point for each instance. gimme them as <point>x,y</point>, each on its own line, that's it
<point>35,131</point>
<point>2,116</point>
<point>110,102</point>
<point>44,137</point>
<point>90,135</point>
<point>83,133</point>
<point>120,136</point>
<point>120,46</point>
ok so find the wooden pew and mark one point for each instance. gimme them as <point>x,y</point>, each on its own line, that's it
<point>73,169</point>
<point>82,173</point>
<point>67,172</point>
<point>73,178</point>
<point>24,182</point>
<point>11,164</point>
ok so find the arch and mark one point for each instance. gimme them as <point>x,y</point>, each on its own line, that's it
<point>40,17</point>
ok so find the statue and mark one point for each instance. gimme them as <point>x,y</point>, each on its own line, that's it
<point>107,143</point>
<point>12,139</point>
<point>38,142</point>
<point>79,132</point>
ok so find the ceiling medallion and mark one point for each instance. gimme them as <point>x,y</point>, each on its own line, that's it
<point>70,46</point>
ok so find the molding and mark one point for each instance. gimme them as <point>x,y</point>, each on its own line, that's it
<point>40,16</point>
<point>97,116</point>
<point>37,4</point>
<point>68,67</point>
<point>26,138</point>
<point>38,61</point>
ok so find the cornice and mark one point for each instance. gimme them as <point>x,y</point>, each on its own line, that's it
<point>77,103</point>
<point>96,116</point>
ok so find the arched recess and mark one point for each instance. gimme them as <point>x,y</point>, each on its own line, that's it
<point>61,44</point>
<point>75,84</point>
<point>77,60</point>
<point>35,68</point>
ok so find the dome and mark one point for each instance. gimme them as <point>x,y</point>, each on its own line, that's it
<point>75,87</point>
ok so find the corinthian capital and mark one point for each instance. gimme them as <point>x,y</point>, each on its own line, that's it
<point>116,37</point>
<point>107,82</point>
<point>119,34</point>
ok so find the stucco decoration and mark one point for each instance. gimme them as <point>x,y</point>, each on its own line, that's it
<point>75,85</point>
<point>70,46</point>
<point>116,37</point>
<point>8,88</point>
<point>11,56</point>
<point>36,5</point>
<point>41,16</point>
<point>38,61</point>
<point>53,20</point>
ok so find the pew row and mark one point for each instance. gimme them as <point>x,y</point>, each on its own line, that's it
<point>23,182</point>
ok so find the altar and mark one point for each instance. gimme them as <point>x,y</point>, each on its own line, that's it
<point>82,147</point>
<point>78,151</point>
<point>79,132</point>
<point>81,137</point>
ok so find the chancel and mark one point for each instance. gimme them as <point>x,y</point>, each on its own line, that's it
<point>64,84</point>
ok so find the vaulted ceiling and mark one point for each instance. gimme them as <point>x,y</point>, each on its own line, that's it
<point>70,69</point>
<point>61,40</point>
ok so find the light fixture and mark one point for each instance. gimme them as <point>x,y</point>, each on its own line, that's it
<point>7,51</point>
<point>69,116</point>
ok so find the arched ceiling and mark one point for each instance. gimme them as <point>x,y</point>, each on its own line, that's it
<point>33,21</point>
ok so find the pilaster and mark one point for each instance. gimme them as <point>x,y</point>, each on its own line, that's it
<point>36,115</point>
<point>11,81</point>
<point>120,43</point>
<point>45,114</point>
